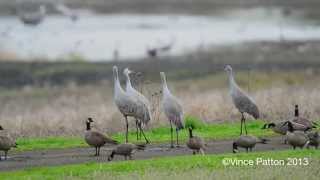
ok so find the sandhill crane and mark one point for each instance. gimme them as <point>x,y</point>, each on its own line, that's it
<point>241,100</point>
<point>172,108</point>
<point>32,18</point>
<point>126,104</point>
<point>145,108</point>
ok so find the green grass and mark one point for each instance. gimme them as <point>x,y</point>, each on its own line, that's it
<point>25,144</point>
<point>178,164</point>
<point>156,135</point>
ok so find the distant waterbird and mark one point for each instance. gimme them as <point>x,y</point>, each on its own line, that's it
<point>143,106</point>
<point>243,102</point>
<point>32,18</point>
<point>172,108</point>
<point>95,138</point>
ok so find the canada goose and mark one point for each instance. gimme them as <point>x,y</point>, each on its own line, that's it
<point>303,121</point>
<point>314,139</point>
<point>296,138</point>
<point>125,150</point>
<point>278,128</point>
<point>195,143</point>
<point>96,139</point>
<point>248,142</point>
<point>6,143</point>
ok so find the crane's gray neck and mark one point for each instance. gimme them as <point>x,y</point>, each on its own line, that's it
<point>128,81</point>
<point>164,84</point>
<point>117,86</point>
<point>232,82</point>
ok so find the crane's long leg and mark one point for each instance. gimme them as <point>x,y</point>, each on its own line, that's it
<point>137,128</point>
<point>141,131</point>
<point>177,132</point>
<point>127,128</point>
<point>245,126</point>
<point>241,127</point>
<point>171,134</point>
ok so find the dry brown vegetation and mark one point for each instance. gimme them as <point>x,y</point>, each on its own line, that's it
<point>50,110</point>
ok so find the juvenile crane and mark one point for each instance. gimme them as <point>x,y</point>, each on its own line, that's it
<point>241,100</point>
<point>126,104</point>
<point>172,108</point>
<point>145,108</point>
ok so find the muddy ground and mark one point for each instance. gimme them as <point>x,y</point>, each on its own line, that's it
<point>22,160</point>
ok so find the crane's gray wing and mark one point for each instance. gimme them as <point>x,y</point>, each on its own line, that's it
<point>126,105</point>
<point>245,104</point>
<point>173,111</point>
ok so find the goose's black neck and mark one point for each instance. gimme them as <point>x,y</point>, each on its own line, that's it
<point>88,126</point>
<point>190,133</point>
<point>296,111</point>
<point>290,127</point>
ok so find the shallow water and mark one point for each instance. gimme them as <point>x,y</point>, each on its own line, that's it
<point>96,37</point>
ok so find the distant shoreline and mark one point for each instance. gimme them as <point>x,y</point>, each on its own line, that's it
<point>178,6</point>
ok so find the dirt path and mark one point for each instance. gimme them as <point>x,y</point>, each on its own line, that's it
<point>82,155</point>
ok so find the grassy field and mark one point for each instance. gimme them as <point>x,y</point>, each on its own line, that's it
<point>156,135</point>
<point>182,167</point>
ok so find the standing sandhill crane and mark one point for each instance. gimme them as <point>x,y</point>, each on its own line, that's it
<point>172,108</point>
<point>145,108</point>
<point>33,18</point>
<point>126,104</point>
<point>241,100</point>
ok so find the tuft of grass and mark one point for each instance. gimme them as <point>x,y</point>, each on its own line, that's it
<point>193,122</point>
<point>26,144</point>
<point>178,164</point>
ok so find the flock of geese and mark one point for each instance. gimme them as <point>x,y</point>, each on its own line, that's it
<point>131,103</point>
